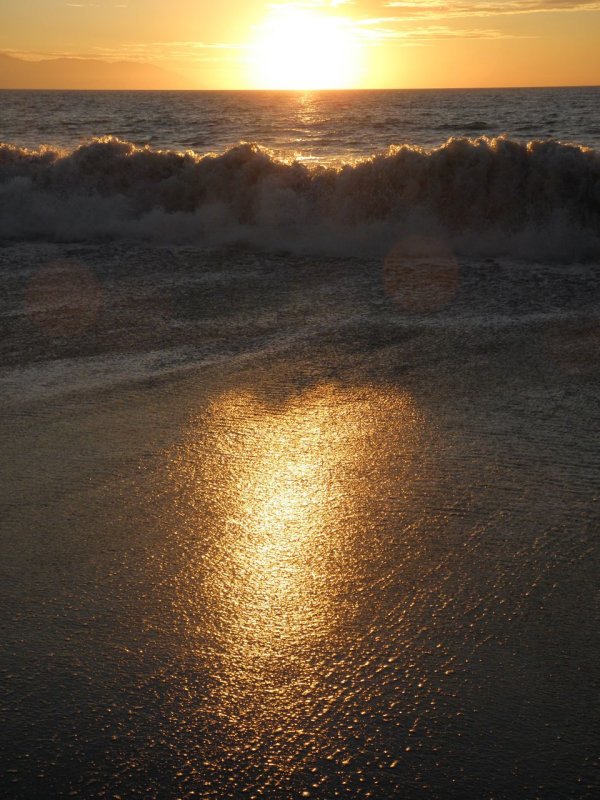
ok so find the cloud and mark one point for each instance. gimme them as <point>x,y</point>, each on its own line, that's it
<point>380,28</point>
<point>173,50</point>
<point>416,9</point>
<point>145,52</point>
<point>313,4</point>
<point>384,28</point>
<point>95,5</point>
<point>377,30</point>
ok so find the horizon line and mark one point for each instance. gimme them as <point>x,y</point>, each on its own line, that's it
<point>323,90</point>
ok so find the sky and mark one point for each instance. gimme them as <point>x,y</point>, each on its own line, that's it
<point>249,44</point>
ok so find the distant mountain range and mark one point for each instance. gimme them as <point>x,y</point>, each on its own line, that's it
<point>81,73</point>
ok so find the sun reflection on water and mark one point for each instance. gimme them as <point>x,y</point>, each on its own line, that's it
<point>269,590</point>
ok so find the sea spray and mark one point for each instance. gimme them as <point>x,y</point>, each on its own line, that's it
<point>480,196</point>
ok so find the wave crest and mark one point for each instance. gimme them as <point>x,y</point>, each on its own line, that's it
<point>478,196</point>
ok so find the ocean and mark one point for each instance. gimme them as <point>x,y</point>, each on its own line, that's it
<point>300,424</point>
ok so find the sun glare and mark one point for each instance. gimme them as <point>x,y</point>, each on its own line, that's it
<point>298,48</point>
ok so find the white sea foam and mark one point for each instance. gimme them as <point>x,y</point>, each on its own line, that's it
<point>476,197</point>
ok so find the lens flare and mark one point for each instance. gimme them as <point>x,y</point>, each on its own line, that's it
<point>63,299</point>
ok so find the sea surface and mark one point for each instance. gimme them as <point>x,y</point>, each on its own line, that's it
<point>300,424</point>
<point>319,126</point>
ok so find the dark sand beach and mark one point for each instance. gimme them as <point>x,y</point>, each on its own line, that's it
<point>286,526</point>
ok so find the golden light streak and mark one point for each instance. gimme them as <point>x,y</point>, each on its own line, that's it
<point>274,561</point>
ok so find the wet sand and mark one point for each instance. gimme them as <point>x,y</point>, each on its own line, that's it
<point>279,527</point>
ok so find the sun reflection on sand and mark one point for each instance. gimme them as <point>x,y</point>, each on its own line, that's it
<point>279,488</point>
<point>273,563</point>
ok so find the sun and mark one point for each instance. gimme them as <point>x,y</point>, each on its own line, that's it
<point>299,48</point>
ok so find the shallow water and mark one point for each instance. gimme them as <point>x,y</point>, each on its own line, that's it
<point>279,526</point>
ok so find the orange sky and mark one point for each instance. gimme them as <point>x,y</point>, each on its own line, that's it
<point>328,43</point>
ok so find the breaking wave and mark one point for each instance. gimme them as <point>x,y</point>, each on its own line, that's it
<point>473,196</point>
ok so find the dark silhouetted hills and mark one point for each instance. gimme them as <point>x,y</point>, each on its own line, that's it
<point>79,73</point>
